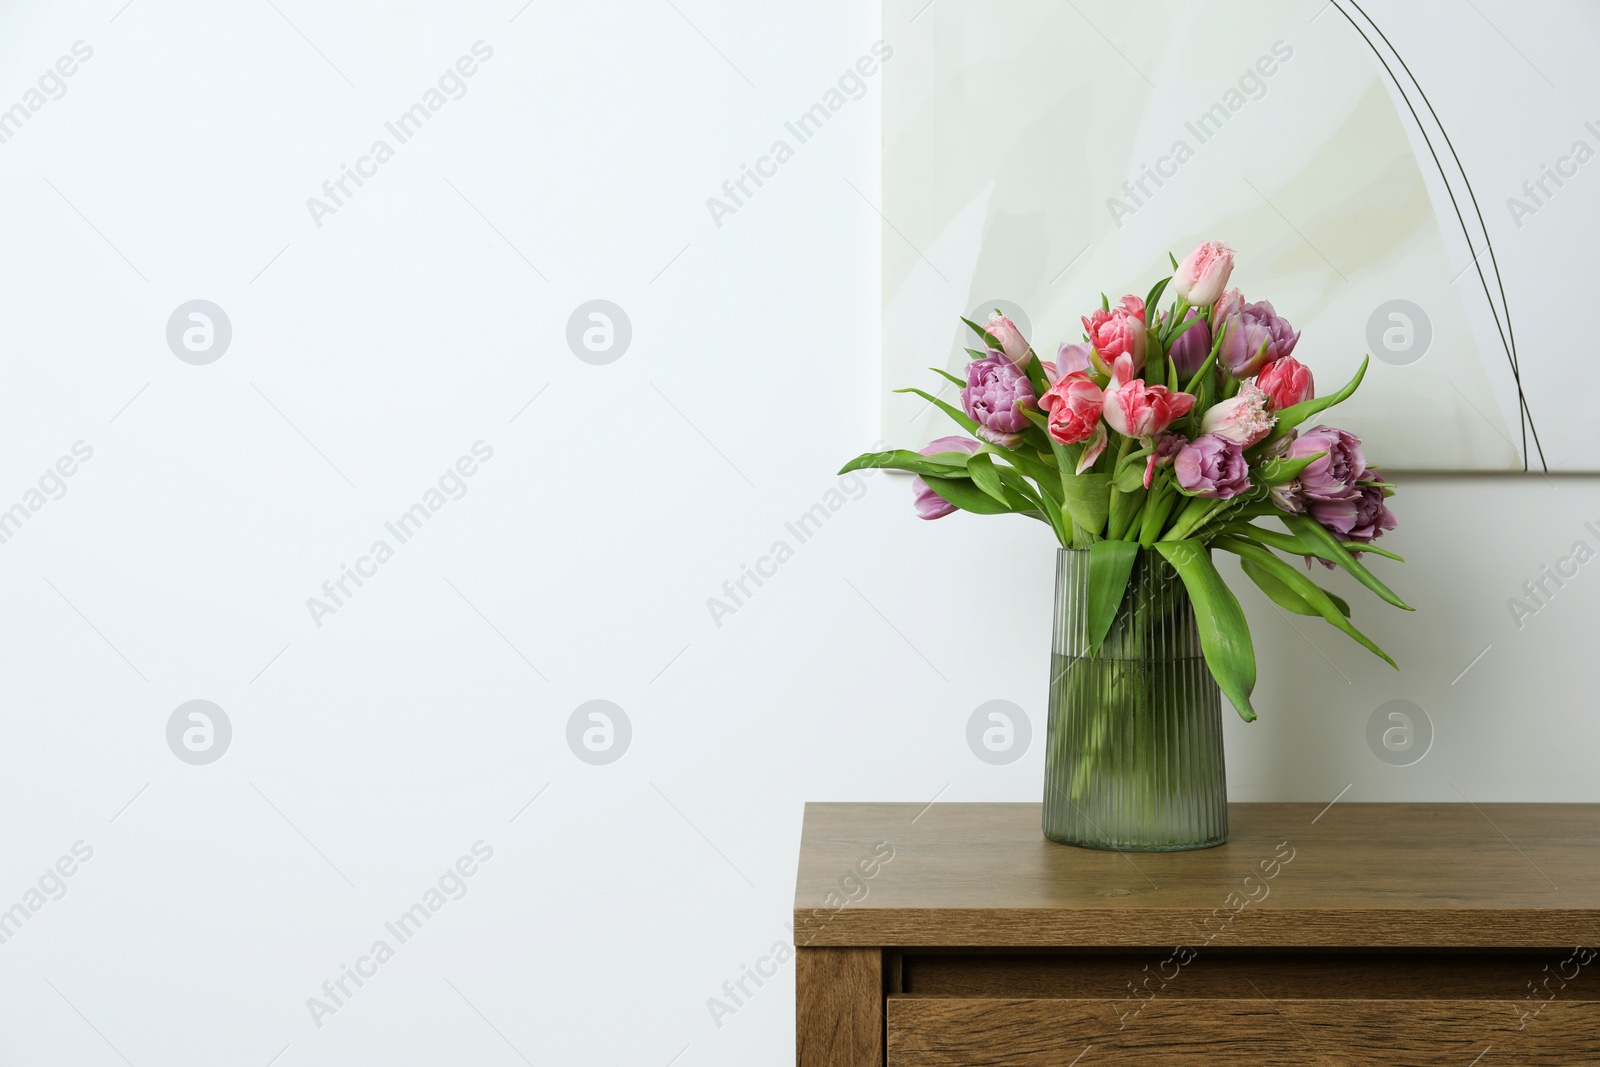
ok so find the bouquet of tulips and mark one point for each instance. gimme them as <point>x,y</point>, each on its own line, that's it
<point>1174,435</point>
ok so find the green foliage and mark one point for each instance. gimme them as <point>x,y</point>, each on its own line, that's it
<point>1110,564</point>
<point>1224,633</point>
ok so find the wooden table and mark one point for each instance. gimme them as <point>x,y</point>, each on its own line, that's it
<point>955,935</point>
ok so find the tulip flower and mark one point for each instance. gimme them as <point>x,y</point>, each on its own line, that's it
<point>1192,347</point>
<point>1287,382</point>
<point>1166,450</point>
<point>1287,496</point>
<point>1242,419</point>
<point>1075,404</point>
<point>1135,409</point>
<point>1335,475</point>
<point>1212,466</point>
<point>1118,331</point>
<point>995,386</point>
<point>1256,336</point>
<point>1011,340</point>
<point>1203,274</point>
<point>1362,519</point>
<point>1227,304</point>
<point>931,505</point>
<point>1073,357</point>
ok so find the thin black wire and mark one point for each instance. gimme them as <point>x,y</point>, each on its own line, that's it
<point>1508,341</point>
<point>1525,412</point>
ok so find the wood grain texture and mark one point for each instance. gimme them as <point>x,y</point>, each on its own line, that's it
<point>942,1032</point>
<point>839,997</point>
<point>1362,875</point>
<point>1275,974</point>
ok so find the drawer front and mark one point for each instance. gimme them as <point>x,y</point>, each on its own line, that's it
<point>978,1032</point>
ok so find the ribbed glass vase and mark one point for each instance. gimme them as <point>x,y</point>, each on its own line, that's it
<point>1133,758</point>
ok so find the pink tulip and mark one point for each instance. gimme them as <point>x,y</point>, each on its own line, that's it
<point>1011,340</point>
<point>1286,382</point>
<point>1203,274</point>
<point>1118,332</point>
<point>1074,403</point>
<point>1135,409</point>
<point>1242,419</point>
<point>1229,303</point>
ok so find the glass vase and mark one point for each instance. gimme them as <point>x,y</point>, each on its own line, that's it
<point>1133,756</point>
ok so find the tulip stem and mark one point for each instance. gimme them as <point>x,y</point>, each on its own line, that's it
<point>1155,512</point>
<point>1193,515</point>
<point>1115,526</point>
<point>1179,310</point>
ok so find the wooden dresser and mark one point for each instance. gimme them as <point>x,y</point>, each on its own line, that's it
<point>955,935</point>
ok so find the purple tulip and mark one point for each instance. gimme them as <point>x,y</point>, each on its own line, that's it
<point>1165,452</point>
<point>1363,518</point>
<point>1334,476</point>
<point>1212,466</point>
<point>931,505</point>
<point>1071,358</point>
<point>994,388</point>
<point>1249,329</point>
<point>1190,350</point>
<point>1287,496</point>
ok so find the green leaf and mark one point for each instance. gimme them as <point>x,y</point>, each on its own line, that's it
<point>1224,634</point>
<point>1033,466</point>
<point>1122,509</point>
<point>951,459</point>
<point>1130,475</point>
<point>966,496</point>
<point>1036,376</point>
<point>902,459</point>
<point>1173,259</point>
<point>988,338</point>
<point>1293,545</point>
<point>1155,295</point>
<point>1333,550</point>
<point>1278,470</point>
<point>1047,490</point>
<point>1211,360</point>
<point>980,468</point>
<point>961,418</point>
<point>1042,505</point>
<point>1110,563</point>
<point>1087,498</point>
<point>1305,589</point>
<point>1180,328</point>
<point>1293,416</point>
<point>1280,593</point>
<point>962,382</point>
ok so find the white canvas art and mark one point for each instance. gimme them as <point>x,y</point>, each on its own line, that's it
<point>1037,153</point>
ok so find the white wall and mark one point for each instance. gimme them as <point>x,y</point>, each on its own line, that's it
<point>371,752</point>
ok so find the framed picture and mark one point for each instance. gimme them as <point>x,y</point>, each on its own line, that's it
<point>1031,145</point>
